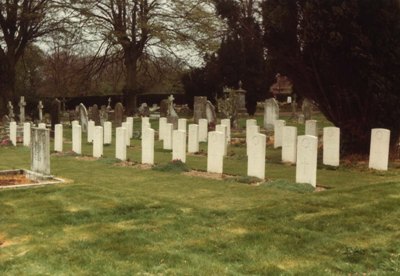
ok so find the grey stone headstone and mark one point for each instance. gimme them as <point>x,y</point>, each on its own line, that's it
<point>271,113</point>
<point>40,150</point>
<point>306,107</point>
<point>55,112</point>
<point>83,117</point>
<point>95,115</point>
<point>199,108</point>
<point>118,114</point>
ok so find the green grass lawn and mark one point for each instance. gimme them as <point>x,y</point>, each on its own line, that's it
<point>114,220</point>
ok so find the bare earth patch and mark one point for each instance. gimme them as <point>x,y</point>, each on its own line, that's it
<point>134,165</point>
<point>9,180</point>
<point>208,175</point>
<point>86,158</point>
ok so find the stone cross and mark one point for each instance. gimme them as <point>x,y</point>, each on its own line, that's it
<point>40,109</point>
<point>22,105</point>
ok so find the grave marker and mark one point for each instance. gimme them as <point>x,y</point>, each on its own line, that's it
<point>379,149</point>
<point>331,146</point>
<point>306,163</point>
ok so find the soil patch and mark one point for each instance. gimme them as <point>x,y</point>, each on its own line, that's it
<point>9,180</point>
<point>86,158</point>
<point>134,165</point>
<point>208,175</point>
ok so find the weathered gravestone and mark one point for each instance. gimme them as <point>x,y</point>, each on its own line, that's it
<point>144,110</point>
<point>118,114</point>
<point>379,149</point>
<point>11,114</point>
<point>199,108</point>
<point>40,111</point>
<point>55,112</point>
<point>172,116</point>
<point>95,115</point>
<point>331,144</point>
<point>40,151</point>
<point>164,108</point>
<point>103,115</point>
<point>83,117</point>
<point>271,113</point>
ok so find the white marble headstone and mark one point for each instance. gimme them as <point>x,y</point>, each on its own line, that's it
<point>179,145</point>
<point>98,141</point>
<point>148,146</point>
<point>182,124</point>
<point>278,128</point>
<point>27,134</point>
<point>223,129</point>
<point>120,143</point>
<point>379,149</point>
<point>251,131</point>
<point>145,123</point>
<point>127,137</point>
<point>256,157</point>
<point>203,130</point>
<point>107,133</point>
<point>306,164</point>
<point>311,128</point>
<point>129,120</point>
<point>331,144</point>
<point>271,113</point>
<point>215,151</point>
<point>13,133</point>
<point>90,131</point>
<point>193,138</point>
<point>161,128</point>
<point>58,137</point>
<point>77,138</point>
<point>227,123</point>
<point>289,144</point>
<point>167,142</point>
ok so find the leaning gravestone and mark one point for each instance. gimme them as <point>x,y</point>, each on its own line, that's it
<point>271,113</point>
<point>118,114</point>
<point>96,115</point>
<point>210,114</point>
<point>379,149</point>
<point>83,117</point>
<point>40,151</point>
<point>199,108</point>
<point>55,112</point>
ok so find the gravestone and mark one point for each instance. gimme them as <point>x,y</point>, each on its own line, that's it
<point>55,112</point>
<point>306,163</point>
<point>256,157</point>
<point>5,120</point>
<point>249,122</point>
<point>223,129</point>
<point>182,124</point>
<point>129,120</point>
<point>289,144</point>
<point>331,144</point>
<point>179,145</point>
<point>22,105</point>
<point>193,138</point>
<point>120,143</point>
<point>211,115</point>
<point>40,111</point>
<point>98,141</point>
<point>271,113</point>
<point>164,108</point>
<point>27,134</point>
<point>103,115</point>
<point>41,125</point>
<point>11,114</point>
<point>311,128</point>
<point>83,117</point>
<point>96,115</point>
<point>215,152</point>
<point>118,114</point>
<point>74,122</point>
<point>148,146</point>
<point>203,130</point>
<point>306,108</point>
<point>107,133</point>
<point>161,128</point>
<point>252,130</point>
<point>58,137</point>
<point>278,128</point>
<point>167,139</point>
<point>145,123</point>
<point>40,151</point>
<point>379,149</point>
<point>90,131</point>
<point>227,123</point>
<point>77,138</point>
<point>127,137</point>
<point>199,108</point>
<point>13,133</point>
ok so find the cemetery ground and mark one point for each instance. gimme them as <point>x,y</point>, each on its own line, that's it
<point>118,220</point>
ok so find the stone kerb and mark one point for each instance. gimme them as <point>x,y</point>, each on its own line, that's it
<point>289,144</point>
<point>148,146</point>
<point>331,146</point>
<point>98,141</point>
<point>256,157</point>
<point>120,143</point>
<point>77,138</point>
<point>215,151</point>
<point>58,138</point>
<point>40,151</point>
<point>379,149</point>
<point>306,163</point>
<point>179,145</point>
<point>193,138</point>
<point>278,128</point>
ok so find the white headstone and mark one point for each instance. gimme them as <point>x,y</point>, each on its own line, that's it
<point>27,134</point>
<point>148,146</point>
<point>331,144</point>
<point>271,113</point>
<point>256,157</point>
<point>182,124</point>
<point>107,133</point>
<point>215,151</point>
<point>167,142</point>
<point>40,151</point>
<point>74,122</point>
<point>289,144</point>
<point>193,138</point>
<point>90,131</point>
<point>40,109</point>
<point>227,123</point>
<point>98,141</point>
<point>223,129</point>
<point>179,145</point>
<point>278,128</point>
<point>161,128</point>
<point>203,130</point>
<point>311,128</point>
<point>289,99</point>
<point>127,138</point>
<point>77,139</point>
<point>251,131</point>
<point>379,149</point>
<point>129,120</point>
<point>306,164</point>
<point>58,137</point>
<point>13,133</point>
<point>120,143</point>
<point>41,125</point>
<point>145,123</point>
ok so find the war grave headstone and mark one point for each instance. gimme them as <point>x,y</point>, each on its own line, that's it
<point>148,146</point>
<point>40,151</point>
<point>256,157</point>
<point>252,131</point>
<point>161,128</point>
<point>331,146</point>
<point>311,128</point>
<point>120,143</point>
<point>129,120</point>
<point>127,138</point>
<point>278,128</point>
<point>13,133</point>
<point>203,130</point>
<point>271,113</point>
<point>58,137</point>
<point>182,124</point>
<point>27,134</point>
<point>107,133</point>
<point>193,138</point>
<point>179,145</point>
<point>77,138</point>
<point>90,131</point>
<point>379,149</point>
<point>167,139</point>
<point>306,163</point>
<point>249,122</point>
<point>289,144</point>
<point>223,129</point>
<point>215,151</point>
<point>98,141</point>
<point>227,123</point>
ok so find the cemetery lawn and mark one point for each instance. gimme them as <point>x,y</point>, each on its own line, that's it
<point>123,220</point>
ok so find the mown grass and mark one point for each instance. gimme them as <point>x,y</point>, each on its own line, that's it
<point>115,220</point>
